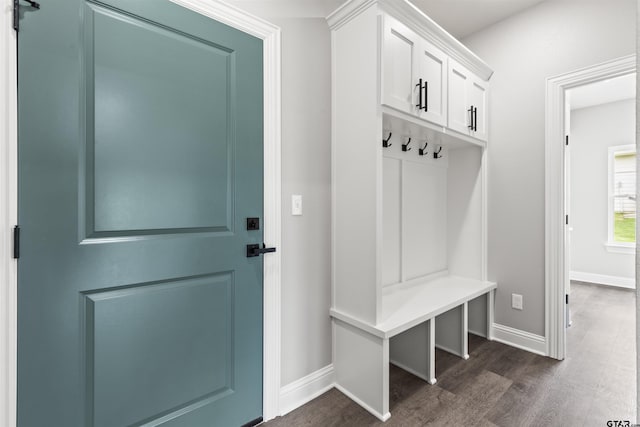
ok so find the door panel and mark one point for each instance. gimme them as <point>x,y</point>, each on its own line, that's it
<point>399,67</point>
<point>458,102</point>
<point>433,70</point>
<point>140,157</point>
<point>478,99</point>
<point>119,345</point>
<point>127,61</point>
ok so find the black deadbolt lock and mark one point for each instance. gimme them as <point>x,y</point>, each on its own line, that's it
<point>253,223</point>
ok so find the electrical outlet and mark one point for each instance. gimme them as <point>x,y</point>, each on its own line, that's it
<point>516,301</point>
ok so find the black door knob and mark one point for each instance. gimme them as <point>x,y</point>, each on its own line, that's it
<point>254,250</point>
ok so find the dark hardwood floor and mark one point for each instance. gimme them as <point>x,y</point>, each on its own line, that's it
<point>503,386</point>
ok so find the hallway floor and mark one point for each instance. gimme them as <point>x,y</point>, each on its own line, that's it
<point>504,386</point>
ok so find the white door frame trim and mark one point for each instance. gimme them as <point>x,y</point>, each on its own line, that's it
<point>554,191</point>
<point>229,15</point>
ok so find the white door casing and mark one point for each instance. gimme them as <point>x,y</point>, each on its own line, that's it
<point>555,228</point>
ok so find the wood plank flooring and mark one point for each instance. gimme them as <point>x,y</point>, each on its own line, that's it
<point>504,386</point>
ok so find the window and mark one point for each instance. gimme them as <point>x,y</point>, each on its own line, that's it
<point>622,197</point>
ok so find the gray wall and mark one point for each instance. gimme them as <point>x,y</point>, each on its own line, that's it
<point>593,131</point>
<point>306,170</point>
<point>551,38</point>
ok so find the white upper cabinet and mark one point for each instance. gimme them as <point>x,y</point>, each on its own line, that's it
<point>467,102</point>
<point>478,94</point>
<point>400,66</point>
<point>414,74</point>
<point>433,72</point>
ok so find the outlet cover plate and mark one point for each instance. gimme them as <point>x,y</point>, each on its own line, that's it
<point>516,301</point>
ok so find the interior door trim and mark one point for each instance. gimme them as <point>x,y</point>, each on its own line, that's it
<point>229,15</point>
<point>556,87</point>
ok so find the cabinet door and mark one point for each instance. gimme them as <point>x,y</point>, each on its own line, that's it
<point>432,66</point>
<point>399,68</point>
<point>478,101</point>
<point>459,102</point>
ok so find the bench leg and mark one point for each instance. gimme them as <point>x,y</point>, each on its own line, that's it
<point>452,331</point>
<point>361,366</point>
<point>414,351</point>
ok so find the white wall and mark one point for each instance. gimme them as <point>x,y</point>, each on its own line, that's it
<point>306,170</point>
<point>593,131</point>
<point>551,38</point>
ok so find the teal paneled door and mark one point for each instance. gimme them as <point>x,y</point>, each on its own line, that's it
<point>140,160</point>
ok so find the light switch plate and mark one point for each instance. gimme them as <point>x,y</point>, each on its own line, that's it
<point>296,204</point>
<point>516,301</point>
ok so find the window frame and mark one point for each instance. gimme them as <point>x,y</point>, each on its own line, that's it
<point>611,245</point>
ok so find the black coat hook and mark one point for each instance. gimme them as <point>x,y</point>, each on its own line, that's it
<point>385,142</point>
<point>423,150</point>
<point>436,154</point>
<point>404,146</point>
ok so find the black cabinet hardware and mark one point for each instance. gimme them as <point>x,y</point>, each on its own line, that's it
<point>423,100</point>
<point>253,223</point>
<point>385,142</point>
<point>436,154</point>
<point>475,118</point>
<point>405,147</point>
<point>255,250</point>
<point>426,96</point>
<point>16,242</point>
<point>422,151</point>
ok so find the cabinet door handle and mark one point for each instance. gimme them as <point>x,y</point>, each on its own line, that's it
<point>419,86</point>
<point>426,95</point>
<point>475,118</point>
<point>470,111</point>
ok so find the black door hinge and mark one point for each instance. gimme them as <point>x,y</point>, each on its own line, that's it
<point>567,219</point>
<point>16,12</point>
<point>567,298</point>
<point>566,140</point>
<point>16,242</point>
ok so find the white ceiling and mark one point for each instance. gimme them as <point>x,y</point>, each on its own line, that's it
<point>603,92</point>
<point>464,17</point>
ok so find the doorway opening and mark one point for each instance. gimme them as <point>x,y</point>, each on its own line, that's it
<point>570,213</point>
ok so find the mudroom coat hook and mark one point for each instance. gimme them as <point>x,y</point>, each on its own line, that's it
<point>422,151</point>
<point>385,142</point>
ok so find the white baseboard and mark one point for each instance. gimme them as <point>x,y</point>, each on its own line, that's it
<point>520,339</point>
<point>299,392</point>
<point>603,279</point>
